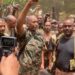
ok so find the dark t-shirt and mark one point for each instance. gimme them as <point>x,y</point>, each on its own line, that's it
<point>65,52</point>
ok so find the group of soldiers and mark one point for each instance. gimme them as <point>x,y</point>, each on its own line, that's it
<point>44,46</point>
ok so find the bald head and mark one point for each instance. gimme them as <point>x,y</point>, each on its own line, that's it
<point>11,21</point>
<point>32,22</point>
<point>11,17</point>
<point>68,27</point>
<point>68,21</point>
<point>31,18</point>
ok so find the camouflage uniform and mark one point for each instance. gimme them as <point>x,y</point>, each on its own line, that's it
<point>30,59</point>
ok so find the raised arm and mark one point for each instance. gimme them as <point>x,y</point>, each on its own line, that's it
<point>22,16</point>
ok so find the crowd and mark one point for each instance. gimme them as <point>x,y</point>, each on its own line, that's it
<point>44,46</point>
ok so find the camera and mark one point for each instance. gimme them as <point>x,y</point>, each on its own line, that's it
<point>8,42</point>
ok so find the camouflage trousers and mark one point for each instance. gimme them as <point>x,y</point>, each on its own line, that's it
<point>28,71</point>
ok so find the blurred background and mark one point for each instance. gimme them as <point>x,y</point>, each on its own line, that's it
<point>59,9</point>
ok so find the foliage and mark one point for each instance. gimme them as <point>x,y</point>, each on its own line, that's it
<point>67,6</point>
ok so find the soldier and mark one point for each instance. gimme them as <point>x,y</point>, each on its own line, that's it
<point>60,28</point>
<point>65,51</point>
<point>50,45</point>
<point>11,24</point>
<point>40,21</point>
<point>30,59</point>
<point>31,43</point>
<point>54,26</point>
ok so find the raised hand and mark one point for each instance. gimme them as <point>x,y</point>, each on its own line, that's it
<point>33,1</point>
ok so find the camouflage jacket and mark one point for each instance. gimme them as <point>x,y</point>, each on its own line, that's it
<point>31,55</point>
